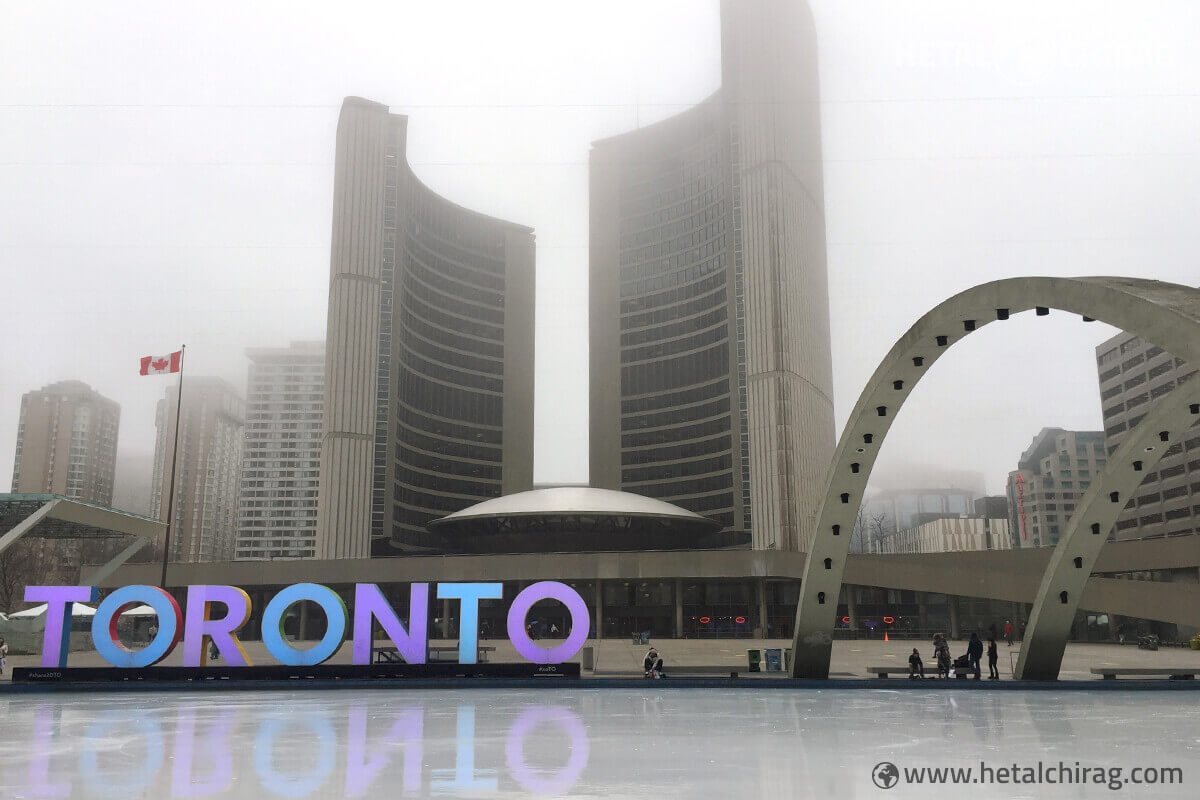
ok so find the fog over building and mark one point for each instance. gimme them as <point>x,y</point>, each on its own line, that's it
<point>711,375</point>
<point>1051,476</point>
<point>204,518</point>
<point>281,453</point>
<point>1133,376</point>
<point>67,443</point>
<point>429,350</point>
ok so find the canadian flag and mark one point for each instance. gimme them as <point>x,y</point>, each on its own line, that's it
<point>161,365</point>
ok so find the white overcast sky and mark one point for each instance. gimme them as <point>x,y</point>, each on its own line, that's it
<point>166,176</point>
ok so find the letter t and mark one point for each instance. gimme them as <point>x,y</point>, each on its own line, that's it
<point>468,616</point>
<point>56,642</point>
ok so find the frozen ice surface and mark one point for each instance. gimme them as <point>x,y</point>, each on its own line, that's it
<point>610,743</point>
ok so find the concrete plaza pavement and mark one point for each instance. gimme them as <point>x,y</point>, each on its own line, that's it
<point>622,658</point>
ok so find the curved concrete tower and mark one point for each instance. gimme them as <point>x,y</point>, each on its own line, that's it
<point>429,350</point>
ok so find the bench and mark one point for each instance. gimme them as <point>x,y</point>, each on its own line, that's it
<point>902,669</point>
<point>1173,673</point>
<point>896,669</point>
<point>716,671</point>
<point>390,655</point>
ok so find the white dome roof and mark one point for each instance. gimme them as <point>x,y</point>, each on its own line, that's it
<point>573,500</point>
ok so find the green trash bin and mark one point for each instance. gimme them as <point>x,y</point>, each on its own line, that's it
<point>754,657</point>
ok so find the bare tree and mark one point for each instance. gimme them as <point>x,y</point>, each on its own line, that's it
<point>19,566</point>
<point>858,536</point>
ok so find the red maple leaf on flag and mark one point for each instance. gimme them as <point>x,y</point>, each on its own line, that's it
<point>160,364</point>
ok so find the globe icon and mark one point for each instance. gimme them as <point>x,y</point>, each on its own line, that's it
<point>885,775</point>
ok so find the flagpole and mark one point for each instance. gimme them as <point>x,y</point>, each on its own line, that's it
<point>174,463</point>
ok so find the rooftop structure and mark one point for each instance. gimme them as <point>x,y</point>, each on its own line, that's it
<point>577,519</point>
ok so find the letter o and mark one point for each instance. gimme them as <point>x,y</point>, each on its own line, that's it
<point>104,626</point>
<point>535,780</point>
<point>548,590</point>
<point>335,630</point>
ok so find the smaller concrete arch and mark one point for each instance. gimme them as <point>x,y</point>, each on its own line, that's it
<point>1075,554</point>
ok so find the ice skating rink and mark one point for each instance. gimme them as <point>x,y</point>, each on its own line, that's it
<point>655,742</point>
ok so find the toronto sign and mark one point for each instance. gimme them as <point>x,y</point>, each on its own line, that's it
<point>201,624</point>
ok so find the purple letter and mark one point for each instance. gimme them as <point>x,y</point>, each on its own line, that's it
<point>56,641</point>
<point>407,729</point>
<point>220,776</point>
<point>199,627</point>
<point>548,590</point>
<point>514,751</point>
<point>371,605</point>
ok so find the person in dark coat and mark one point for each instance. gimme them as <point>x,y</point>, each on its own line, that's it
<point>993,656</point>
<point>916,668</point>
<point>975,653</point>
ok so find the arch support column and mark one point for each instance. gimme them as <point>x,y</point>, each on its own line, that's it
<point>1071,565</point>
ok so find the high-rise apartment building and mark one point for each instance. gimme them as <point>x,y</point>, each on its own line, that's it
<point>429,350</point>
<point>711,374</point>
<point>281,452</point>
<point>67,443</point>
<point>1133,376</point>
<point>204,522</point>
<point>1051,476</point>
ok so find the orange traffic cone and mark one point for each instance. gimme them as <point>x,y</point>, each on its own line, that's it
<point>885,636</point>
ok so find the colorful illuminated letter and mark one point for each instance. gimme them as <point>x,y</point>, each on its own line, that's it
<point>104,626</point>
<point>56,640</point>
<point>200,627</point>
<point>468,615</point>
<point>276,612</point>
<point>548,590</point>
<point>371,605</point>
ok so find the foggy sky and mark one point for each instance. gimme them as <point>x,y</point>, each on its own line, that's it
<point>166,176</point>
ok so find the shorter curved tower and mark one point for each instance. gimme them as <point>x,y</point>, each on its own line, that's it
<point>429,352</point>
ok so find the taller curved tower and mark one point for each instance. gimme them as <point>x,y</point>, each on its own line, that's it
<point>429,350</point>
<point>709,295</point>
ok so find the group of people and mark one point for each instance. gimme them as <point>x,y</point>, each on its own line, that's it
<point>947,666</point>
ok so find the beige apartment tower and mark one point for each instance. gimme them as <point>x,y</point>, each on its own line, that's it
<point>67,443</point>
<point>281,452</point>
<point>204,522</point>
<point>1134,375</point>
<point>429,350</point>
<point>711,374</point>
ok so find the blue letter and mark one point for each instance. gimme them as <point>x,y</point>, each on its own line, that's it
<point>468,616</point>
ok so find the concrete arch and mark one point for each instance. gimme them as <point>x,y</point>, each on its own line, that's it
<point>1165,314</point>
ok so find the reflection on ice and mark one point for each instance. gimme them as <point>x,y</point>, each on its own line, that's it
<point>563,741</point>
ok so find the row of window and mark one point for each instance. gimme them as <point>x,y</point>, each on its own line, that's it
<point>674,373</point>
<point>664,472</point>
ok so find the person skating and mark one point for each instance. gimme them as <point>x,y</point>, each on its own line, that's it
<point>3,655</point>
<point>975,653</point>
<point>1008,631</point>
<point>993,657</point>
